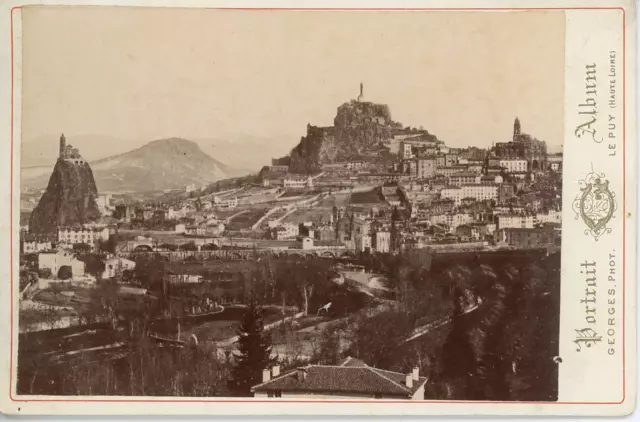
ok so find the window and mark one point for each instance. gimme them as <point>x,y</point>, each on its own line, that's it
<point>377,396</point>
<point>276,394</point>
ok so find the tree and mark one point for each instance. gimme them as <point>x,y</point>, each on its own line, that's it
<point>376,337</point>
<point>93,264</point>
<point>191,246</point>
<point>150,272</point>
<point>82,248</point>
<point>110,245</point>
<point>127,276</point>
<point>255,353</point>
<point>44,272</point>
<point>395,240</point>
<point>329,350</point>
<point>65,272</point>
<point>27,278</point>
<point>460,351</point>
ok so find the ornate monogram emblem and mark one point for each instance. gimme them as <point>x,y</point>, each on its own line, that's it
<point>595,204</point>
<point>586,337</point>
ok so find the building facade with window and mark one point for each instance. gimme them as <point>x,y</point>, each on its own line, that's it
<point>80,234</point>
<point>480,192</point>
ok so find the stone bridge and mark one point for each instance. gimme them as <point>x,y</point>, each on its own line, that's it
<point>237,254</point>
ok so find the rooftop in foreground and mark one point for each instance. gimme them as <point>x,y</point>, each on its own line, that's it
<point>349,377</point>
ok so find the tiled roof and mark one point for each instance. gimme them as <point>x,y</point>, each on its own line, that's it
<point>349,361</point>
<point>31,237</point>
<point>351,376</point>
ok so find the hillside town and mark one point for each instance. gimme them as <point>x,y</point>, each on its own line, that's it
<point>340,239</point>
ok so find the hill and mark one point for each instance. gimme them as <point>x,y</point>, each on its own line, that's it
<point>359,129</point>
<point>163,164</point>
<point>159,165</point>
<point>231,149</point>
<point>43,151</point>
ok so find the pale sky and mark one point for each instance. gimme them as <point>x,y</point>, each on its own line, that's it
<point>145,74</point>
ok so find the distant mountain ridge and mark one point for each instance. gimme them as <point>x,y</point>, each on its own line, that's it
<point>43,151</point>
<point>230,149</point>
<point>171,163</point>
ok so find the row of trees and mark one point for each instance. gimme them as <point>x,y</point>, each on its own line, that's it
<point>142,368</point>
<point>146,370</point>
<point>501,350</point>
<point>304,283</point>
<point>502,330</point>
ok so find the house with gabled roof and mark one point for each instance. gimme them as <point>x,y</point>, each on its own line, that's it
<point>349,379</point>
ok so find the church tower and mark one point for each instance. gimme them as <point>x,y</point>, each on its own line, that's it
<point>361,96</point>
<point>63,144</point>
<point>516,130</point>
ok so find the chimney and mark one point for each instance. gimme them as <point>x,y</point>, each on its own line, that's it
<point>302,374</point>
<point>409,381</point>
<point>266,375</point>
<point>416,373</point>
<point>275,371</point>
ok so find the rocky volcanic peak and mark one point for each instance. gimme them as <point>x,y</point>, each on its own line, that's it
<point>358,127</point>
<point>69,200</point>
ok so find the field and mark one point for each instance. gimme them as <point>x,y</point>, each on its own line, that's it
<point>337,199</point>
<point>277,214</point>
<point>367,197</point>
<point>224,214</point>
<point>321,211</point>
<point>294,193</point>
<point>308,214</point>
<point>216,328</point>
<point>257,198</point>
<point>246,220</point>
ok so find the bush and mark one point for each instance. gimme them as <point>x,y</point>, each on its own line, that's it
<point>93,264</point>
<point>65,272</point>
<point>82,248</point>
<point>44,273</point>
<point>189,247</point>
<point>26,278</point>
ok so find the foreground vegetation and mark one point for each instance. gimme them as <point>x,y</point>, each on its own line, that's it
<point>497,331</point>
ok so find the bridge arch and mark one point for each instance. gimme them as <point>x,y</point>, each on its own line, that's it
<point>142,248</point>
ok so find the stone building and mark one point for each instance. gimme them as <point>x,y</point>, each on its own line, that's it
<point>69,153</point>
<point>523,146</point>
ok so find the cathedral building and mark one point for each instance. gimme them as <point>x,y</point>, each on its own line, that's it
<point>523,146</point>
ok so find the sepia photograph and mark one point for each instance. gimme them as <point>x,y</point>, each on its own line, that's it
<point>292,204</point>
